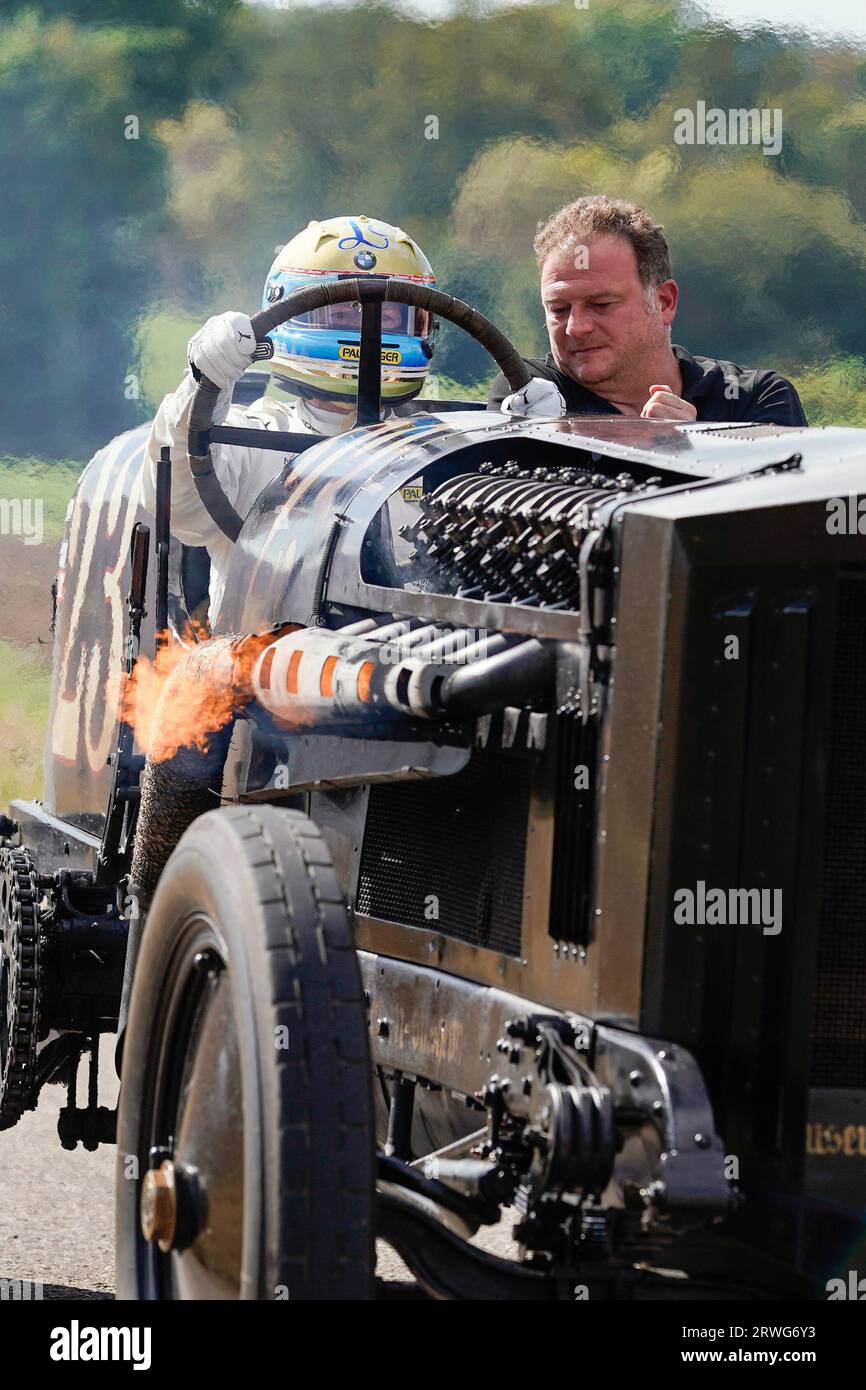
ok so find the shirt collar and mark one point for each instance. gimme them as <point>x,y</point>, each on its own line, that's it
<point>697,379</point>
<point>598,404</point>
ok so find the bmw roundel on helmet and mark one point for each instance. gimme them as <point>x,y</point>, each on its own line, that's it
<point>316,354</point>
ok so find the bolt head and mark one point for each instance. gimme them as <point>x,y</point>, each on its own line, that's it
<point>158,1207</point>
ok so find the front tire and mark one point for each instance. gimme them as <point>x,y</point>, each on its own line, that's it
<point>246,1087</point>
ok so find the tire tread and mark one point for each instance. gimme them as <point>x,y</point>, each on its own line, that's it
<point>304,912</point>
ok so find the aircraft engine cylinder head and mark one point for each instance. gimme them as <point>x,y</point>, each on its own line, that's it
<point>510,534</point>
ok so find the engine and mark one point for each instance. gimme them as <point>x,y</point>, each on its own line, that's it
<point>510,534</point>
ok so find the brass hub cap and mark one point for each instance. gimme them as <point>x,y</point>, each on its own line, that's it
<point>159,1205</point>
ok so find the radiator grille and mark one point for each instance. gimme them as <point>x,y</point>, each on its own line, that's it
<point>839,1026</point>
<point>458,840</point>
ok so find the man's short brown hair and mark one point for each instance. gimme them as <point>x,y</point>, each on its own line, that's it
<point>580,222</point>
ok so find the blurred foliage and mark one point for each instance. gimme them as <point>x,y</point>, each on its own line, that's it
<point>439,387</point>
<point>834,394</point>
<point>86,238</point>
<point>252,121</point>
<point>159,349</point>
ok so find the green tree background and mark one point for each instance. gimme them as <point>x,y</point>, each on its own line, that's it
<point>252,121</point>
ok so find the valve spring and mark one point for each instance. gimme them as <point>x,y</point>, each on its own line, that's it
<point>509,533</point>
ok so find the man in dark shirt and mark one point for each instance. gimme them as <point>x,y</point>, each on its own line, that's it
<point>609,301</point>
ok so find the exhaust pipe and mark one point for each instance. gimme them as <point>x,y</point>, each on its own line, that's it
<point>510,678</point>
<point>325,679</point>
<point>183,770</point>
<point>312,678</point>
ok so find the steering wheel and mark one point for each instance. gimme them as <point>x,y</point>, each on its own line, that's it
<point>370,291</point>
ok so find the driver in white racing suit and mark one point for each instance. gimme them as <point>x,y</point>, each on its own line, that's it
<point>315,359</point>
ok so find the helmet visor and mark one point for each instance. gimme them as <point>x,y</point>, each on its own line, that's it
<point>396,318</point>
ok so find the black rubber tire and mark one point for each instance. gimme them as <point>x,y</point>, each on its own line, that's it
<point>263,877</point>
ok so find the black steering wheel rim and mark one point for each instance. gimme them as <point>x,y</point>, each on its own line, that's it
<point>369,290</point>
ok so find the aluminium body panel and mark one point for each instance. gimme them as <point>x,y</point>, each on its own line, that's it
<point>301,544</point>
<point>90,624</point>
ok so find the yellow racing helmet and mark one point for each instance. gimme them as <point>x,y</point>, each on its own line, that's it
<point>317,354</point>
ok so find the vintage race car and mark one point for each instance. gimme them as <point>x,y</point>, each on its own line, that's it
<point>500,856</point>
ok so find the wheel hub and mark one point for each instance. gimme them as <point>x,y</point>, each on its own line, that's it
<point>172,1206</point>
<point>159,1205</point>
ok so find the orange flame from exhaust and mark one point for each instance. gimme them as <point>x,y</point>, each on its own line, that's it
<point>193,712</point>
<point>186,694</point>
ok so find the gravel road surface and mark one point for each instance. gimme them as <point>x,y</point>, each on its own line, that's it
<point>57,1208</point>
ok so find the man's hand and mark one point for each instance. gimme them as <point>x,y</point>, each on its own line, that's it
<point>664,404</point>
<point>223,349</point>
<point>538,397</point>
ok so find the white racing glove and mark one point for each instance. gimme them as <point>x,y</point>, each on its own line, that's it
<point>223,349</point>
<point>538,397</point>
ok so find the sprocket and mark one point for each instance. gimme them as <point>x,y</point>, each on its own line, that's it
<point>20,983</point>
